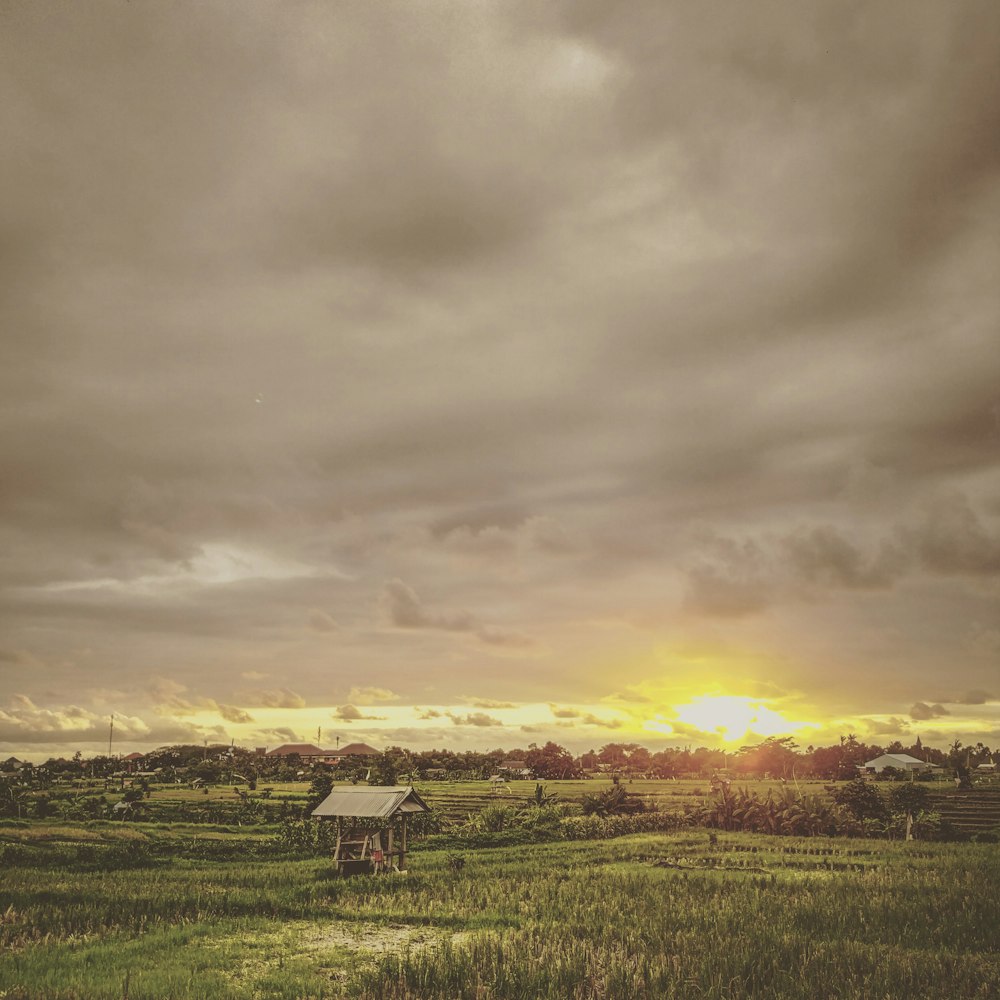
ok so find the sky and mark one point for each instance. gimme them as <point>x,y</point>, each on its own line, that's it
<point>474,374</point>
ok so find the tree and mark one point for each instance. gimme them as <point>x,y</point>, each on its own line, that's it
<point>861,800</point>
<point>775,757</point>
<point>319,788</point>
<point>384,771</point>
<point>552,761</point>
<point>910,798</point>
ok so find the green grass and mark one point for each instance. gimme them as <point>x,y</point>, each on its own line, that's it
<point>668,915</point>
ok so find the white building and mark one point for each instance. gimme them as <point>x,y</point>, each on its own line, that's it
<point>900,761</point>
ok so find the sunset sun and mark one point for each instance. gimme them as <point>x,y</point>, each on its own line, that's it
<point>732,718</point>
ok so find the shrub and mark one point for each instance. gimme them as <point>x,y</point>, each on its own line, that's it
<point>861,800</point>
<point>615,801</point>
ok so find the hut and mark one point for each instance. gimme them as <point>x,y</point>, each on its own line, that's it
<point>371,825</point>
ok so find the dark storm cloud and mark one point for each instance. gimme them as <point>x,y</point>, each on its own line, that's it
<point>606,321</point>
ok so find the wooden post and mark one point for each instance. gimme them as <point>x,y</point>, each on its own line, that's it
<point>336,851</point>
<point>402,847</point>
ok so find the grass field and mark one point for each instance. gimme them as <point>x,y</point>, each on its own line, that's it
<point>141,910</point>
<point>671,915</point>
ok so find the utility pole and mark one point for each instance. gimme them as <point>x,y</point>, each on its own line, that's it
<point>111,732</point>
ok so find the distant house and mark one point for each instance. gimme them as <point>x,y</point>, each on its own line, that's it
<point>305,751</point>
<point>351,750</point>
<point>899,761</point>
<point>989,768</point>
<point>515,768</point>
<point>312,754</point>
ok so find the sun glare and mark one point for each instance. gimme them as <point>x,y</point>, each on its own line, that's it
<point>731,717</point>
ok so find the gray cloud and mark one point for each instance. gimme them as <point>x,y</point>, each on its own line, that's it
<point>618,323</point>
<point>404,609</point>
<point>322,622</point>
<point>479,719</point>
<point>232,714</point>
<point>564,713</point>
<point>593,720</point>
<point>921,711</point>
<point>273,698</point>
<point>350,713</point>
<point>975,697</point>
<point>823,555</point>
<point>367,695</point>
<point>952,539</point>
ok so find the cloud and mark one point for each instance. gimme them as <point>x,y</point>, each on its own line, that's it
<point>822,555</point>
<point>232,714</point>
<point>975,697</point>
<point>171,697</point>
<point>633,342</point>
<point>893,726</point>
<point>272,698</point>
<point>564,713</point>
<point>404,609</point>
<point>495,636</point>
<point>951,539</point>
<point>479,719</point>
<point>367,695</point>
<point>921,711</point>
<point>24,722</point>
<point>713,591</point>
<point>321,621</point>
<point>488,703</point>
<point>429,713</point>
<point>593,720</point>
<point>350,713</point>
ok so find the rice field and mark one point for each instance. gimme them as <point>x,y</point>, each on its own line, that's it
<point>688,914</point>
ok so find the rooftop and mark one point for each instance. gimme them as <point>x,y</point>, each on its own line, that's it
<point>369,801</point>
<point>302,749</point>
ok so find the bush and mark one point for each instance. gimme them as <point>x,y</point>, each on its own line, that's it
<point>861,800</point>
<point>615,801</point>
<point>595,827</point>
<point>305,838</point>
<point>909,798</point>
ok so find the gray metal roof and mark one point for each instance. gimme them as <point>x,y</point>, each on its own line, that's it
<point>371,801</point>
